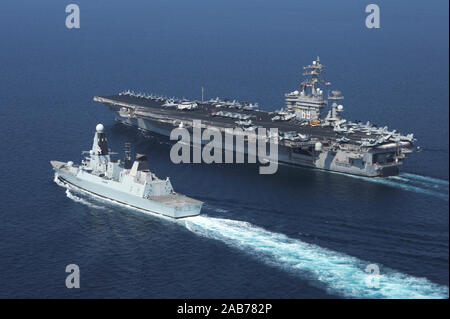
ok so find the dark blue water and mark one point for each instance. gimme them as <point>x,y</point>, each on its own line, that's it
<point>297,234</point>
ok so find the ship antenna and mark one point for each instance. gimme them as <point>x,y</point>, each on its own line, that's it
<point>127,155</point>
<point>312,72</point>
<point>203,93</point>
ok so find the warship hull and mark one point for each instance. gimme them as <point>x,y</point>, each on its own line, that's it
<point>172,205</point>
<point>323,160</point>
<point>303,136</point>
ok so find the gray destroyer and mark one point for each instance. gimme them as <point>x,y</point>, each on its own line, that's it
<point>126,183</point>
<point>308,135</point>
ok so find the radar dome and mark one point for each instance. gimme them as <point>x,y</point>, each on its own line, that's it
<point>99,128</point>
<point>340,107</point>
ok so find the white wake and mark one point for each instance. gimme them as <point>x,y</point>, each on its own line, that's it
<point>82,200</point>
<point>413,183</point>
<point>336,272</point>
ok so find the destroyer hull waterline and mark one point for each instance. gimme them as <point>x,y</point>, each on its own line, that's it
<point>173,205</point>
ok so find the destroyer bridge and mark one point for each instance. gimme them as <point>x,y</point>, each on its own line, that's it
<point>305,137</point>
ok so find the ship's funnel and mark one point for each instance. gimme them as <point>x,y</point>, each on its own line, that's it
<point>141,157</point>
<point>140,164</point>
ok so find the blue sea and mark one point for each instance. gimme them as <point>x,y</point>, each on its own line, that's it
<point>299,233</point>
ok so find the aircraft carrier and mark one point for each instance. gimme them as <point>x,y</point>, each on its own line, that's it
<point>311,130</point>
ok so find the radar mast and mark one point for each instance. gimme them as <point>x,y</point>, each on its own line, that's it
<point>312,72</point>
<point>308,102</point>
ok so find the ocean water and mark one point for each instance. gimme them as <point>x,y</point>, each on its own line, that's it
<point>297,234</point>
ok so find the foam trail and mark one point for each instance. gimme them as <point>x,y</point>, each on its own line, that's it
<point>338,273</point>
<point>406,184</point>
<point>221,210</point>
<point>390,181</point>
<point>81,200</point>
<point>58,181</point>
<point>423,184</point>
<point>400,179</point>
<point>414,187</point>
<point>72,196</point>
<point>426,179</point>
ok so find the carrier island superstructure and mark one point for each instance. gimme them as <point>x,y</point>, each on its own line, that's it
<point>131,184</point>
<point>311,130</point>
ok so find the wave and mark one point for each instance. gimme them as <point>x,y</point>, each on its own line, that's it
<point>82,200</point>
<point>221,210</point>
<point>406,181</point>
<point>336,272</point>
<point>74,197</point>
<point>412,183</point>
<point>430,180</point>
